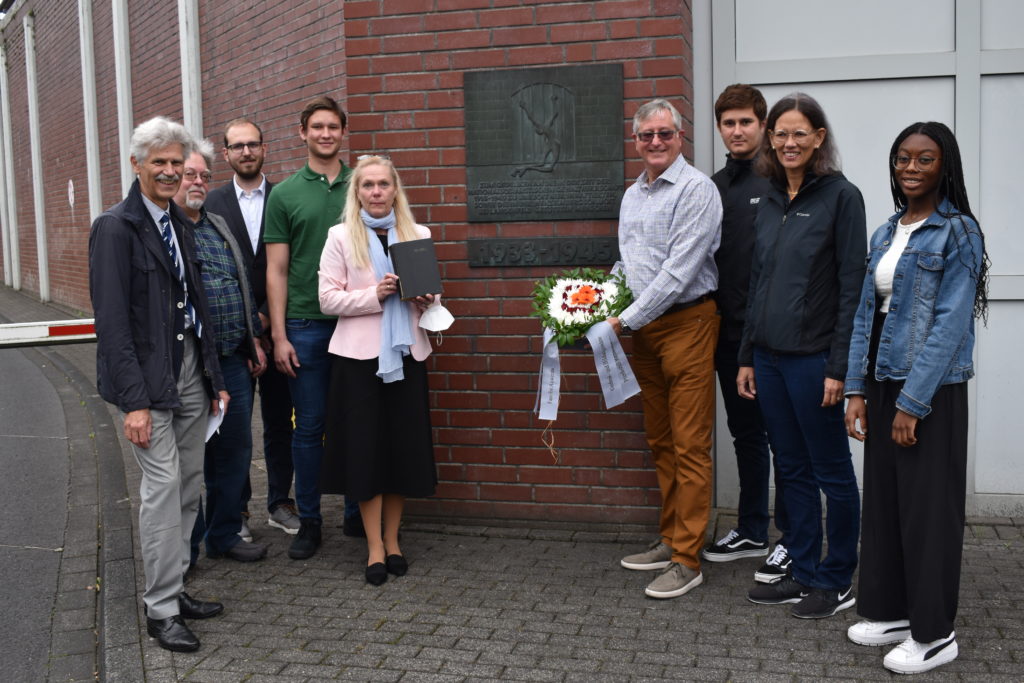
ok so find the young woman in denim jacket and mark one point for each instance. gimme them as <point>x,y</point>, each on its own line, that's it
<point>910,359</point>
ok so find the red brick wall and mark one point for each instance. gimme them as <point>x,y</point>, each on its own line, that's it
<point>58,66</point>
<point>264,60</point>
<point>398,67</point>
<point>406,61</point>
<point>156,60</point>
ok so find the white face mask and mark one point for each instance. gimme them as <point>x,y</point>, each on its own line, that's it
<point>436,318</point>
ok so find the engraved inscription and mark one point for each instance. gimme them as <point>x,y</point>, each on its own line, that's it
<point>543,251</point>
<point>550,197</point>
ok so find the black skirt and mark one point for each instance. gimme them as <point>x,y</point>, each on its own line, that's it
<point>378,437</point>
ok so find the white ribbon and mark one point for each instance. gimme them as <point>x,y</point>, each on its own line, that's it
<point>546,405</point>
<point>617,379</point>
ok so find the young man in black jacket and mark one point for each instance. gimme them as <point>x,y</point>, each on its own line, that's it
<point>740,113</point>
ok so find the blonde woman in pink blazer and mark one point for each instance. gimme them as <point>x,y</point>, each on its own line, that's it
<point>378,449</point>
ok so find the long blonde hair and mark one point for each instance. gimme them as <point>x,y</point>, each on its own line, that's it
<point>404,222</point>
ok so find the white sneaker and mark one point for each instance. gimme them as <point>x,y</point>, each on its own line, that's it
<point>875,633</point>
<point>244,531</point>
<point>912,657</point>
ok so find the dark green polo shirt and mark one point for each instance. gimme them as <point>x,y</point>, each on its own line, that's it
<point>300,211</point>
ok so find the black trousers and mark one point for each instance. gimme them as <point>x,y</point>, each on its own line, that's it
<point>913,513</point>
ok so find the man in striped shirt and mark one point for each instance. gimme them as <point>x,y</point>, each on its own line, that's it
<point>669,229</point>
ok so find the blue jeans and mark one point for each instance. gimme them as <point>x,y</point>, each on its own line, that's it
<point>750,443</point>
<point>812,454</point>
<point>310,339</point>
<point>228,456</point>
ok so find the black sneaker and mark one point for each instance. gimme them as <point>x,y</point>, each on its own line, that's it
<point>785,590</point>
<point>775,567</point>
<point>732,546</point>
<point>306,541</point>
<point>821,603</point>
<point>353,526</point>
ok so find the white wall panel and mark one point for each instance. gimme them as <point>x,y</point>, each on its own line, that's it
<point>1002,100</point>
<point>866,116</point>
<point>876,67</point>
<point>999,470</point>
<point>809,29</point>
<point>1001,23</point>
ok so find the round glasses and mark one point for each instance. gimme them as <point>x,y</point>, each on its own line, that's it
<point>901,161</point>
<point>191,176</point>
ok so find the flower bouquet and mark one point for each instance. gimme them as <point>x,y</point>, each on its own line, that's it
<point>572,302</point>
<point>572,306</point>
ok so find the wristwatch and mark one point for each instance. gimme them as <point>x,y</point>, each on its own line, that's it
<point>626,329</point>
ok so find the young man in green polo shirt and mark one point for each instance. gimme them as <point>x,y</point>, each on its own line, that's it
<point>300,211</point>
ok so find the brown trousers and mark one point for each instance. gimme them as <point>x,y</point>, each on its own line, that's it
<point>674,360</point>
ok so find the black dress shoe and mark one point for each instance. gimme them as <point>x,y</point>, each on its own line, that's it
<point>243,551</point>
<point>376,573</point>
<point>197,609</point>
<point>172,634</point>
<point>396,564</point>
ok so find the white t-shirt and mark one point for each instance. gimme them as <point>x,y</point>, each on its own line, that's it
<point>887,264</point>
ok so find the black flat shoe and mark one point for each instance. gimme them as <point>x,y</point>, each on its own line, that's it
<point>191,608</point>
<point>172,634</point>
<point>376,573</point>
<point>396,564</point>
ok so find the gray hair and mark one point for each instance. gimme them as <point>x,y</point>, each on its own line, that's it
<point>157,133</point>
<point>204,148</point>
<point>651,108</point>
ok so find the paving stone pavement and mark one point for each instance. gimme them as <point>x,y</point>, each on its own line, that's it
<point>482,601</point>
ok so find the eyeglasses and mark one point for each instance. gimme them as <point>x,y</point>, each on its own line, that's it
<point>191,176</point>
<point>663,135</point>
<point>239,146</point>
<point>901,161</point>
<point>800,137</point>
<point>378,155</point>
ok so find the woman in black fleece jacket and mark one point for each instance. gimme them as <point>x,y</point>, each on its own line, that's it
<point>805,280</point>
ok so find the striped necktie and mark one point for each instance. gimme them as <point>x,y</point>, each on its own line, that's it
<point>165,231</point>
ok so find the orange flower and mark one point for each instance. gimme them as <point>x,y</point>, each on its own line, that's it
<point>584,296</point>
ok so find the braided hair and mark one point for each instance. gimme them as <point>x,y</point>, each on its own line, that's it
<point>951,186</point>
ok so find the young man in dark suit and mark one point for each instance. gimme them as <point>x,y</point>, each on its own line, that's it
<point>241,203</point>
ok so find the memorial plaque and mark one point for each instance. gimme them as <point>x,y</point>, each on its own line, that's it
<point>544,144</point>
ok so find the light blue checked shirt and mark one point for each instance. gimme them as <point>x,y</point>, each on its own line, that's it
<point>669,231</point>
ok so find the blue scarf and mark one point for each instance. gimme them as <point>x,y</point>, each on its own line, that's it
<point>396,328</point>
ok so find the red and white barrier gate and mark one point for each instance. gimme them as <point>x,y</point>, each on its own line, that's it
<point>46,333</point>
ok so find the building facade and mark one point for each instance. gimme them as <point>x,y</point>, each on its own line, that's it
<point>76,77</point>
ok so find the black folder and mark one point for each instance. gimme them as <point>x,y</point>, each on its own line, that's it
<point>416,267</point>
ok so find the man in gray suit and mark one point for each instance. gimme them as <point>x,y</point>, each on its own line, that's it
<point>157,362</point>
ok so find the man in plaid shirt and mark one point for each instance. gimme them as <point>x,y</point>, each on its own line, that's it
<point>236,325</point>
<point>669,229</point>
